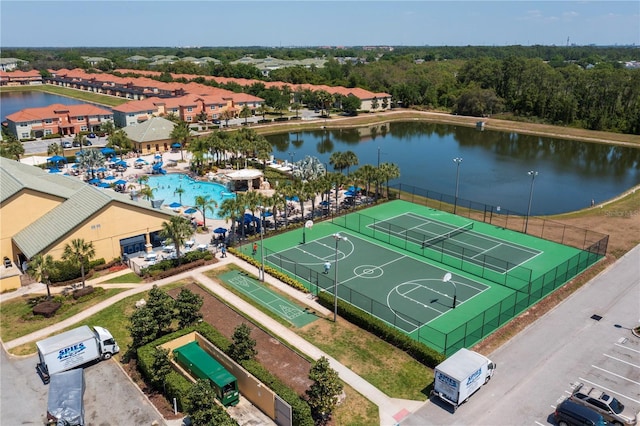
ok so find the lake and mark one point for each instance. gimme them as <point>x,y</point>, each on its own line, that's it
<point>494,167</point>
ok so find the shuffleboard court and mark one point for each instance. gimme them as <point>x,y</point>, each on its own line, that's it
<point>292,312</point>
<point>459,241</point>
<point>390,285</point>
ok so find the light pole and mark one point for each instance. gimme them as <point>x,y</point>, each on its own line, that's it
<point>447,279</point>
<point>456,160</point>
<point>262,210</point>
<point>338,238</point>
<point>291,155</point>
<point>533,175</point>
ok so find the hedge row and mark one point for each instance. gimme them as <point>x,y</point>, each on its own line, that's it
<point>177,385</point>
<point>168,267</point>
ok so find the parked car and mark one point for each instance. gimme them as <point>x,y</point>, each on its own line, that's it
<point>76,144</point>
<point>67,144</point>
<point>568,413</point>
<point>609,407</point>
<point>91,135</point>
<point>87,142</point>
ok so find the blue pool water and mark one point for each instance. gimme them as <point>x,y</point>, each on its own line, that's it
<point>164,189</point>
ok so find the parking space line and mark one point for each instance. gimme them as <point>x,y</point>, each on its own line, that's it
<point>609,390</point>
<point>614,374</point>
<point>622,361</point>
<point>627,347</point>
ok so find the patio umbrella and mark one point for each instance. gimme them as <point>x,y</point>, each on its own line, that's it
<point>140,160</point>
<point>104,185</point>
<point>190,210</point>
<point>354,188</point>
<point>110,178</point>
<point>157,156</point>
<point>94,181</point>
<point>220,230</point>
<point>175,145</point>
<point>54,170</point>
<point>349,194</point>
<point>294,198</point>
<point>120,182</point>
<point>57,159</point>
<point>175,205</point>
<point>121,163</point>
<point>107,150</point>
<point>324,203</point>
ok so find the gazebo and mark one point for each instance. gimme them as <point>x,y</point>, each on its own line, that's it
<point>246,179</point>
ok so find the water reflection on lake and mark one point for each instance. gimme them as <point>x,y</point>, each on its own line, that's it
<point>495,164</point>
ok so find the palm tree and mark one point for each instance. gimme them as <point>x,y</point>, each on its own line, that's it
<point>79,252</point>
<point>177,230</point>
<point>40,268</point>
<point>338,161</point>
<point>390,171</point>
<point>351,159</point>
<point>147,192</point>
<point>180,190</point>
<point>204,203</point>
<point>338,179</point>
<point>11,148</point>
<point>181,134</point>
<point>91,159</point>
<point>245,113</point>
<point>119,141</point>
<point>107,127</point>
<point>54,149</point>
<point>231,209</point>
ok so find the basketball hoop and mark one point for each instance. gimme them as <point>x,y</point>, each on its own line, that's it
<point>307,225</point>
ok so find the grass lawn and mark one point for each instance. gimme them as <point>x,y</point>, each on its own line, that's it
<point>129,278</point>
<point>17,318</point>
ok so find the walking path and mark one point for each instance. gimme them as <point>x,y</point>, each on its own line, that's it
<point>391,410</point>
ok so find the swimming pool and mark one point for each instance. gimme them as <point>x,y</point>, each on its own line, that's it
<point>164,188</point>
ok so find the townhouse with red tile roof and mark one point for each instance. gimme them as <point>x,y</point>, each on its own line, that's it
<point>59,119</point>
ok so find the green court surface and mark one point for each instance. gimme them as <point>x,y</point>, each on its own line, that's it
<point>292,312</point>
<point>397,254</point>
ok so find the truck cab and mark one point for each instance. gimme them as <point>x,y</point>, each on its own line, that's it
<point>108,345</point>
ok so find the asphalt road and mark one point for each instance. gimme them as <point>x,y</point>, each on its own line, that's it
<point>110,397</point>
<point>537,368</point>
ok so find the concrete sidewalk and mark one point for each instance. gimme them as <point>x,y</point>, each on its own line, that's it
<point>391,410</point>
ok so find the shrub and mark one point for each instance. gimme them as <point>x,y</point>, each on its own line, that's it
<point>46,309</point>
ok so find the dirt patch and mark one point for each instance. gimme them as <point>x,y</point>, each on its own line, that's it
<point>280,360</point>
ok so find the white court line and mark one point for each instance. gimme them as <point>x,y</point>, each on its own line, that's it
<point>615,375</point>
<point>622,361</point>
<point>379,266</point>
<point>405,295</point>
<point>608,390</point>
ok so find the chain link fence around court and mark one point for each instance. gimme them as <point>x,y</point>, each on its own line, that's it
<point>528,291</point>
<point>583,239</point>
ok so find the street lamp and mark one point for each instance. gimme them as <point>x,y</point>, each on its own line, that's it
<point>456,160</point>
<point>533,175</point>
<point>447,279</point>
<point>338,238</point>
<point>291,155</point>
<point>262,211</point>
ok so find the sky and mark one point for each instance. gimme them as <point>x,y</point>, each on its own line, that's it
<point>300,23</point>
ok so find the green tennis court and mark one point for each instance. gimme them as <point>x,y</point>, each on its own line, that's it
<point>493,253</point>
<point>413,292</point>
<point>292,312</point>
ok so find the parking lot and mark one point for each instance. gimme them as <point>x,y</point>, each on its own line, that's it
<point>110,397</point>
<point>539,367</point>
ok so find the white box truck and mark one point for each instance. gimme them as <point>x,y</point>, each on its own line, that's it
<point>460,375</point>
<point>74,348</point>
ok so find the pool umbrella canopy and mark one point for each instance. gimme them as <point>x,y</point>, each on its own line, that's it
<point>295,198</point>
<point>103,185</point>
<point>354,188</point>
<point>140,160</point>
<point>349,194</point>
<point>54,170</point>
<point>220,230</point>
<point>94,181</point>
<point>175,145</point>
<point>121,163</point>
<point>107,150</point>
<point>57,159</point>
<point>175,205</point>
<point>120,182</point>
<point>190,210</point>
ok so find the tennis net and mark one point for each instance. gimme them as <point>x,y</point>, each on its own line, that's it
<point>435,240</point>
